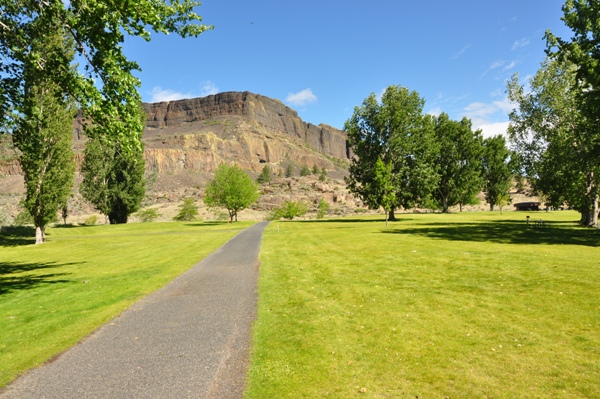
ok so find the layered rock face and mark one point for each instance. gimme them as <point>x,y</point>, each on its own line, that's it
<point>243,128</point>
<point>246,128</point>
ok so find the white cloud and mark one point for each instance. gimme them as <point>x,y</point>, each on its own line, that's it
<point>208,88</point>
<point>301,98</point>
<point>520,44</point>
<point>492,129</point>
<point>510,66</point>
<point>159,94</point>
<point>491,118</point>
<point>496,64</point>
<point>460,52</point>
<point>435,111</point>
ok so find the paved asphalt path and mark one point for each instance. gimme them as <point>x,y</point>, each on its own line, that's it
<point>188,340</point>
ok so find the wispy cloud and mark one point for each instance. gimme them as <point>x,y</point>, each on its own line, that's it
<point>461,52</point>
<point>491,118</point>
<point>524,42</point>
<point>510,66</point>
<point>208,88</point>
<point>158,94</point>
<point>301,98</point>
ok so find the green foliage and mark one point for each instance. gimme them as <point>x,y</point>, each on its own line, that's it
<point>91,220</point>
<point>315,170</point>
<point>188,211</point>
<point>557,143</point>
<point>382,184</point>
<point>458,162</point>
<point>396,131</point>
<point>23,218</point>
<point>289,210</point>
<point>289,170</point>
<point>323,174</point>
<point>322,208</point>
<point>148,215</point>
<point>231,188</point>
<point>43,135</point>
<point>305,171</point>
<point>265,175</point>
<point>113,182</point>
<point>496,170</point>
<point>105,85</point>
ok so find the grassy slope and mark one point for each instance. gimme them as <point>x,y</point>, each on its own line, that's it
<point>54,294</point>
<point>461,305</point>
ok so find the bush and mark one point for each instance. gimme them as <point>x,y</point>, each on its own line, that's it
<point>322,208</point>
<point>289,170</point>
<point>323,174</point>
<point>23,218</point>
<point>315,170</point>
<point>188,211</point>
<point>289,210</point>
<point>304,171</point>
<point>90,221</point>
<point>265,175</point>
<point>147,215</point>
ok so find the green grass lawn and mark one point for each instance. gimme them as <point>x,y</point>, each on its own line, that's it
<point>53,295</point>
<point>471,305</point>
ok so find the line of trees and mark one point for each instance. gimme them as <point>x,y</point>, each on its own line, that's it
<point>405,158</point>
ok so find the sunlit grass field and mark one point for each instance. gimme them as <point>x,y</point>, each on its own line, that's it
<point>470,305</point>
<point>53,295</point>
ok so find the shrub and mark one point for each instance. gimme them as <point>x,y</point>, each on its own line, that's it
<point>265,175</point>
<point>289,210</point>
<point>147,215</point>
<point>304,171</point>
<point>90,221</point>
<point>188,211</point>
<point>315,170</point>
<point>323,174</point>
<point>322,208</point>
<point>289,170</point>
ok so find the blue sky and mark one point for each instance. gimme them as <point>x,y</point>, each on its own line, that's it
<point>324,57</point>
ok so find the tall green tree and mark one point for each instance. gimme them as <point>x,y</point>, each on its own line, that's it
<point>382,182</point>
<point>496,170</point>
<point>112,181</point>
<point>232,189</point>
<point>550,134</point>
<point>105,87</point>
<point>43,135</point>
<point>583,51</point>
<point>396,131</point>
<point>458,162</point>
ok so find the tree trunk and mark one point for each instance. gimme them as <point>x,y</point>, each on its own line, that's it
<point>392,217</point>
<point>39,235</point>
<point>445,205</point>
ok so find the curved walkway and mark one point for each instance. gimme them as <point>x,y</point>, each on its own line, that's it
<point>190,339</point>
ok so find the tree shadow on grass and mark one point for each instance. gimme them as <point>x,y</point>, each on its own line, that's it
<point>23,276</point>
<point>12,236</point>
<point>506,232</point>
<point>349,220</point>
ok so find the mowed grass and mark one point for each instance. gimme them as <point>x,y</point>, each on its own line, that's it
<point>471,305</point>
<point>53,295</point>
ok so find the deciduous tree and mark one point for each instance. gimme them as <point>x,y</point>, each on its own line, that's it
<point>497,176</point>
<point>43,134</point>
<point>112,181</point>
<point>458,162</point>
<point>396,131</point>
<point>232,189</point>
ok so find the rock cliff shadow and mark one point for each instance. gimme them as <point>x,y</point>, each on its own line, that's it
<point>16,276</point>
<point>12,236</point>
<point>506,232</point>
